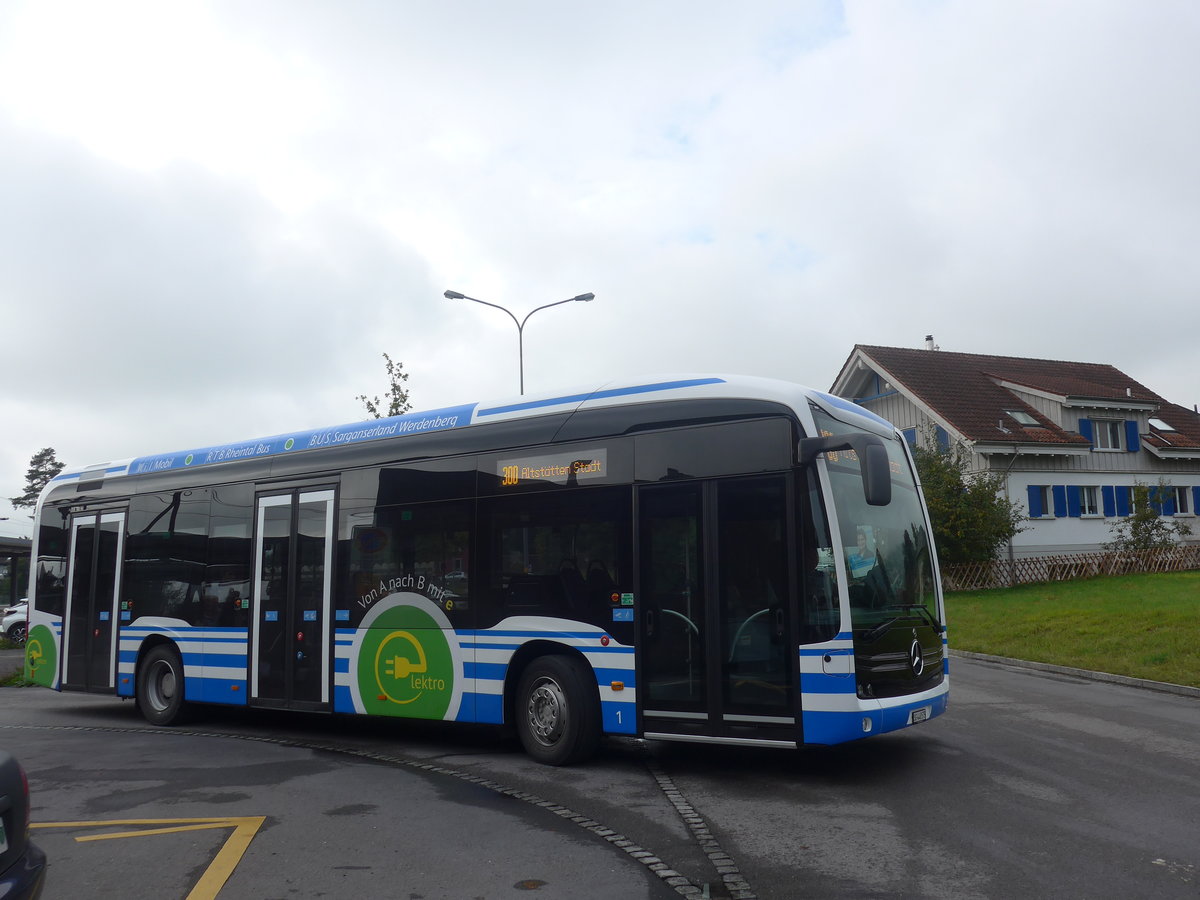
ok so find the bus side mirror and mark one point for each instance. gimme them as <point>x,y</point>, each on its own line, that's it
<point>872,461</point>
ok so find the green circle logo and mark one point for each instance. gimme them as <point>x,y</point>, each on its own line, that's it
<point>289,444</point>
<point>405,666</point>
<point>187,460</point>
<point>41,658</point>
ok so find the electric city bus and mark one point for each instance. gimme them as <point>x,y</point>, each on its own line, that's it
<point>714,559</point>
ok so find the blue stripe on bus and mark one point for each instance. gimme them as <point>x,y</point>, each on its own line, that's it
<point>600,395</point>
<point>619,718</point>
<point>489,709</point>
<point>470,646</point>
<point>842,403</point>
<point>343,700</point>
<point>337,436</point>
<point>200,659</point>
<point>819,683</point>
<point>485,671</point>
<point>216,690</point>
<point>837,727</point>
<point>832,727</point>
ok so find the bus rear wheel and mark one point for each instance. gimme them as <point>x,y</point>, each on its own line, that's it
<point>558,711</point>
<point>160,687</point>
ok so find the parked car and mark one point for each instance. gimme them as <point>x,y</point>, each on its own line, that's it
<point>22,863</point>
<point>15,626</point>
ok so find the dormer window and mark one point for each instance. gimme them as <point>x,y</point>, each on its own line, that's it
<point>1159,425</point>
<point>1022,417</point>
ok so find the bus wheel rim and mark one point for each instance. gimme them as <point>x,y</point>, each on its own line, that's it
<point>547,711</point>
<point>162,685</point>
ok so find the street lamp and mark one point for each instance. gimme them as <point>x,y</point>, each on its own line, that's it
<point>582,298</point>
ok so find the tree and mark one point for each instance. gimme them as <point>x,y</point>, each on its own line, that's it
<point>42,467</point>
<point>1145,528</point>
<point>972,520</point>
<point>397,393</point>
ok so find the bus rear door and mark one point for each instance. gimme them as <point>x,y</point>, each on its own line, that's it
<point>93,598</point>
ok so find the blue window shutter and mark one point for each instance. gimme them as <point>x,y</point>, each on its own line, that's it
<point>1133,441</point>
<point>1073,507</point>
<point>1195,500</point>
<point>1156,500</point>
<point>1060,500</point>
<point>1124,500</point>
<point>1108,493</point>
<point>1168,507</point>
<point>1085,428</point>
<point>943,438</point>
<point>910,435</point>
<point>1035,501</point>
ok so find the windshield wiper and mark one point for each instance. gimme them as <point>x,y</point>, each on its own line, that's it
<point>875,633</point>
<point>926,614</point>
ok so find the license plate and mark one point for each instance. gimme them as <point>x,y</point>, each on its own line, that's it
<point>918,715</point>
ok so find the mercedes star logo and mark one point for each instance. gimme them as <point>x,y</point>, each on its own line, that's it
<point>915,659</point>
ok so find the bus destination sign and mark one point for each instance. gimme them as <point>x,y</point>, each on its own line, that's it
<point>566,468</point>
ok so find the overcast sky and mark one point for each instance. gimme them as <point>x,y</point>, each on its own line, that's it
<point>215,217</point>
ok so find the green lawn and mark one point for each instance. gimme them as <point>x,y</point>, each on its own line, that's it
<point>1146,626</point>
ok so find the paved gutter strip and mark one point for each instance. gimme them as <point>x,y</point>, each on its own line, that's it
<point>731,876</point>
<point>1182,690</point>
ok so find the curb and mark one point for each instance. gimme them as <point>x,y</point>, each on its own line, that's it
<point>1163,687</point>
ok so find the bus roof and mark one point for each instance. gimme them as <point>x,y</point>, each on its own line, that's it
<point>452,417</point>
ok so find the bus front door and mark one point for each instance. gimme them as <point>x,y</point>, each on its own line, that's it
<point>93,598</point>
<point>716,648</point>
<point>291,645</point>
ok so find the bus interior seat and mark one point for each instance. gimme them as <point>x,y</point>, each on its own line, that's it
<point>599,582</point>
<point>573,586</point>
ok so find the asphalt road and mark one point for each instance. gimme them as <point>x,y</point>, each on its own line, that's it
<point>1032,785</point>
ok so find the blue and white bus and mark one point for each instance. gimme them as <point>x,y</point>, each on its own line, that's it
<point>714,559</point>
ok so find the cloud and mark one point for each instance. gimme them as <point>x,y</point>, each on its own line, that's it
<point>218,216</point>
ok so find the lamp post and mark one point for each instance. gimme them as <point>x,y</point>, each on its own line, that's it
<point>582,298</point>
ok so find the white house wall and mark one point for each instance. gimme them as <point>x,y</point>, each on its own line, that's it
<point>1068,534</point>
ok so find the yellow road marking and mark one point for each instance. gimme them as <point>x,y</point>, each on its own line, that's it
<point>218,871</point>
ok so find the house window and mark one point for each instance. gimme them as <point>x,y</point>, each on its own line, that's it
<point>1088,505</point>
<point>1159,425</point>
<point>1022,417</point>
<point>1182,507</point>
<point>1041,503</point>
<point>1107,435</point>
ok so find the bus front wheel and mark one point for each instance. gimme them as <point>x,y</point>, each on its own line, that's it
<point>160,687</point>
<point>558,711</point>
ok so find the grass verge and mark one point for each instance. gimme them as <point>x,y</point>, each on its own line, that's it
<point>1144,626</point>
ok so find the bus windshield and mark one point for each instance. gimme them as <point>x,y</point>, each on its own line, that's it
<point>889,565</point>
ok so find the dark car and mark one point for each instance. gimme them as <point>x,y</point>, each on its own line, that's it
<point>22,864</point>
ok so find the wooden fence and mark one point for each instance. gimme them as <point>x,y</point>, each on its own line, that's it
<point>1068,566</point>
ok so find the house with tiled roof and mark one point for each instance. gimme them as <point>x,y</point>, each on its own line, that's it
<point>1071,439</point>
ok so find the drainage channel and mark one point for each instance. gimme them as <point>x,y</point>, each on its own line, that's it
<point>729,884</point>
